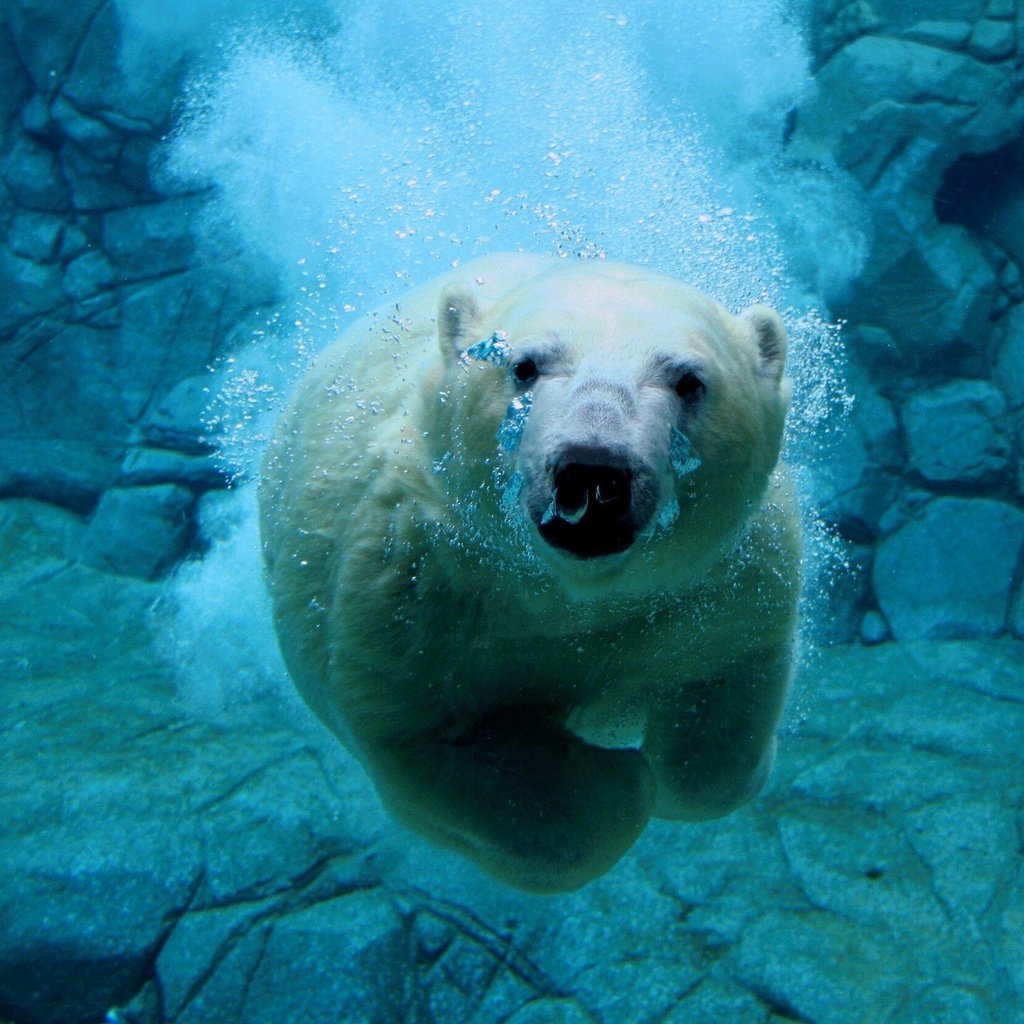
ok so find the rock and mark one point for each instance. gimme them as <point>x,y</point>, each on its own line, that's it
<point>897,114</point>
<point>950,35</point>
<point>35,236</point>
<point>977,668</point>
<point>45,33</point>
<point>715,1002</point>
<point>88,275</point>
<point>100,927</point>
<point>1011,280</point>
<point>992,40</point>
<point>873,346</point>
<point>47,391</point>
<point>131,95</point>
<point>36,118</point>
<point>347,953</point>
<point>949,572</point>
<point>60,782</point>
<point>1011,939</point>
<point>909,505</point>
<point>17,87</point>
<point>985,193</point>
<point>837,24</point>
<point>151,239</point>
<point>960,841</point>
<point>74,242</point>
<point>952,1002</point>
<point>461,980</point>
<point>843,484</point>
<point>69,473</point>
<point>139,531</point>
<point>912,720</point>
<point>89,133</point>
<point>868,875</point>
<point>957,432</point>
<point>930,289</point>
<point>178,420</point>
<point>649,988</point>
<point>809,966</point>
<point>926,106</point>
<point>1005,10</point>
<point>874,418</point>
<point>137,156</point>
<point>33,175</point>
<point>1017,615</point>
<point>183,964</point>
<point>120,905</point>
<point>552,1011</point>
<point>38,538</point>
<point>93,186</point>
<point>160,466</point>
<point>28,290</point>
<point>1008,373</point>
<point>873,628</point>
<point>172,329</point>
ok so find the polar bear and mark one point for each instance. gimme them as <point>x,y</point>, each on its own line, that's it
<point>534,559</point>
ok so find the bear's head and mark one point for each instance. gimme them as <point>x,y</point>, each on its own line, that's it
<point>631,419</point>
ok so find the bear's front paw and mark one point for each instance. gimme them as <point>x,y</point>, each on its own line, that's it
<point>528,801</point>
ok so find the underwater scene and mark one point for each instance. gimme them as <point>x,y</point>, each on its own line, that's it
<point>512,513</point>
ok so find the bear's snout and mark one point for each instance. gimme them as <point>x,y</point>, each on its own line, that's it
<point>591,502</point>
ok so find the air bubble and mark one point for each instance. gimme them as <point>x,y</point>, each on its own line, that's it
<point>667,514</point>
<point>510,494</point>
<point>510,432</point>
<point>681,453</point>
<point>494,349</point>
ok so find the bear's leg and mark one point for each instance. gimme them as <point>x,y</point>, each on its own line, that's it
<point>713,750</point>
<point>520,795</point>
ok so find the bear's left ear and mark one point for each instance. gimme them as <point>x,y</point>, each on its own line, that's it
<point>458,321</point>
<point>768,331</point>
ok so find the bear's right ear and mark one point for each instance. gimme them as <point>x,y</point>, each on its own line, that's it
<point>458,321</point>
<point>770,335</point>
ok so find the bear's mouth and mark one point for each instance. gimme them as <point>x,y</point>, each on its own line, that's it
<point>590,510</point>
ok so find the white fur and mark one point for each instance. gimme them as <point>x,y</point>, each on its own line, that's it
<point>461,657</point>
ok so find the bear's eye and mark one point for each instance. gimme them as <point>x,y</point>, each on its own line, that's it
<point>689,386</point>
<point>525,371</point>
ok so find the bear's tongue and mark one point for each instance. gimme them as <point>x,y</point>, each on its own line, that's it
<point>572,497</point>
<point>565,510</point>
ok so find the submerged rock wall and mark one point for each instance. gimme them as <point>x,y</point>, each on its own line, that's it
<point>113,303</point>
<point>109,313</point>
<point>924,109</point>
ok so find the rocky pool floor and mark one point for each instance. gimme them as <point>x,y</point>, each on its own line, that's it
<point>168,861</point>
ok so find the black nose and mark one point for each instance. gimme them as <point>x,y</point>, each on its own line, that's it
<point>590,503</point>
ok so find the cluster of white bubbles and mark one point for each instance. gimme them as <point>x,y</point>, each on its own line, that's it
<point>361,147</point>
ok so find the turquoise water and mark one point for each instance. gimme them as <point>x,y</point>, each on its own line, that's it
<point>196,200</point>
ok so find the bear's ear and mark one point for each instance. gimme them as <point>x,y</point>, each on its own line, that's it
<point>768,331</point>
<point>458,321</point>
